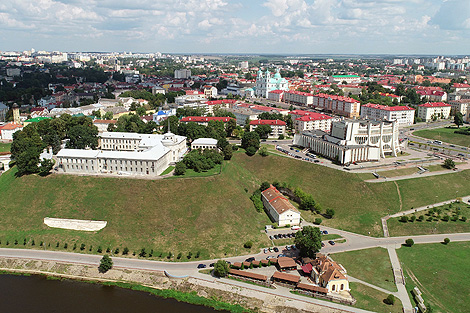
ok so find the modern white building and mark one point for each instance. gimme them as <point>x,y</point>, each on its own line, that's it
<point>313,121</point>
<point>434,110</point>
<point>204,143</point>
<point>403,114</point>
<point>278,127</point>
<point>344,106</point>
<point>126,154</point>
<point>353,141</point>
<point>349,79</point>
<point>279,208</point>
<point>266,82</point>
<point>184,73</point>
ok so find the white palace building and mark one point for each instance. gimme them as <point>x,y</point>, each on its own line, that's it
<point>125,154</point>
<point>353,141</point>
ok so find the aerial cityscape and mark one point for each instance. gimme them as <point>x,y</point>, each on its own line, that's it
<point>286,156</point>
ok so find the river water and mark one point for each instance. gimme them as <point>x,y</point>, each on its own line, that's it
<point>37,294</point>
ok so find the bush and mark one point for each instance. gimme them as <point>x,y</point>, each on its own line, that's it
<point>317,221</point>
<point>142,253</point>
<point>390,300</point>
<point>82,246</point>
<point>221,268</point>
<point>248,244</point>
<point>256,198</point>
<point>330,213</point>
<point>409,242</point>
<point>404,219</point>
<point>235,148</point>
<point>116,251</point>
<point>179,255</point>
<point>421,218</point>
<point>66,246</point>
<point>105,264</point>
<point>281,137</point>
<point>413,218</point>
<point>99,250</point>
<point>250,151</point>
<point>180,168</point>
<point>263,151</point>
<point>463,218</point>
<point>446,241</point>
<point>190,255</point>
<point>264,185</point>
<point>125,251</point>
<point>445,218</point>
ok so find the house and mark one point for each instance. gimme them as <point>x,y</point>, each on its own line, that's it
<point>434,110</point>
<point>204,143</point>
<point>278,127</point>
<point>210,91</point>
<point>279,208</point>
<point>328,274</point>
<point>7,130</point>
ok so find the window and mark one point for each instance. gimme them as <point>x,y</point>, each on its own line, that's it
<point>333,288</point>
<point>342,287</point>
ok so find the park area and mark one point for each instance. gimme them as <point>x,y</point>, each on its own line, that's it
<point>440,272</point>
<point>5,147</point>
<point>446,135</point>
<point>207,216</point>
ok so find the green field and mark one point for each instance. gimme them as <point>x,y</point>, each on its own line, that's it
<point>168,170</point>
<point>440,272</point>
<point>444,134</point>
<point>372,299</point>
<point>436,226</point>
<point>5,147</point>
<point>213,215</point>
<point>370,265</point>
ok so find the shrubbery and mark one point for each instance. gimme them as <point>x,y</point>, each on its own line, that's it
<point>202,160</point>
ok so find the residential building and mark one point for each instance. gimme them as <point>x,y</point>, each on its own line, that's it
<point>278,127</point>
<point>434,110</point>
<point>266,82</point>
<point>459,106</point>
<point>261,108</point>
<point>313,121</point>
<point>298,97</point>
<point>344,106</point>
<point>349,79</point>
<point>276,95</point>
<point>242,114</point>
<point>103,125</point>
<point>432,95</point>
<point>162,115</point>
<point>279,208</point>
<point>353,141</point>
<point>124,154</point>
<point>184,74</point>
<point>404,115</point>
<point>210,91</point>
<point>204,143</point>
<point>7,130</point>
<point>214,105</point>
<point>204,120</point>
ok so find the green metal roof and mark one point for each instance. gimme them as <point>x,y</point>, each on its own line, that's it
<point>339,76</point>
<point>38,119</point>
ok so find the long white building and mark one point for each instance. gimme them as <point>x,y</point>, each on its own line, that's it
<point>126,154</point>
<point>353,141</point>
<point>403,114</point>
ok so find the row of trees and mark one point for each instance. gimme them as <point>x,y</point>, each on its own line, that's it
<point>199,160</point>
<point>28,143</point>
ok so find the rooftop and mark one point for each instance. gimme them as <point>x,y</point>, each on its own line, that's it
<point>268,122</point>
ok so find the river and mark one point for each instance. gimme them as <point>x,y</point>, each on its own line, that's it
<point>38,294</point>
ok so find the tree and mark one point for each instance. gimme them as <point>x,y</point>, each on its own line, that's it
<point>458,119</point>
<point>180,168</point>
<point>248,244</point>
<point>250,139</point>
<point>307,203</point>
<point>264,185</point>
<point>449,163</point>
<point>27,161</point>
<point>230,127</point>
<point>141,111</point>
<point>446,241</point>
<point>221,268</point>
<point>390,300</point>
<point>250,151</point>
<point>108,116</point>
<point>317,221</point>
<point>330,213</point>
<point>263,151</point>
<point>263,131</point>
<point>227,151</point>
<point>105,264</point>
<point>308,241</point>
<point>82,136</point>
<point>409,242</point>
<point>46,167</point>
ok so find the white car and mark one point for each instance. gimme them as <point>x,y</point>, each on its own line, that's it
<point>295,228</point>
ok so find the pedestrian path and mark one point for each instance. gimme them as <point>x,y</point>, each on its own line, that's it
<point>402,293</point>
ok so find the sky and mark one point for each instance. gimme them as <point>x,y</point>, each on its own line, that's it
<point>238,26</point>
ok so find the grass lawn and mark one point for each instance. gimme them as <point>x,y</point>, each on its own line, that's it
<point>192,173</point>
<point>444,134</point>
<point>213,215</point>
<point>167,171</point>
<point>435,226</point>
<point>370,265</point>
<point>372,299</point>
<point>330,237</point>
<point>440,272</point>
<point>5,147</point>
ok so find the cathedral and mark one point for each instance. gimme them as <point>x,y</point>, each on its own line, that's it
<point>265,83</point>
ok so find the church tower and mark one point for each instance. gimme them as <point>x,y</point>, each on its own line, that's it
<point>16,113</point>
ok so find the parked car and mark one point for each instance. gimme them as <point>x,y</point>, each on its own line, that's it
<point>202,266</point>
<point>295,227</point>
<point>293,235</point>
<point>276,236</point>
<point>316,161</point>
<point>270,257</point>
<point>211,265</point>
<point>322,244</point>
<point>250,259</point>
<point>271,237</point>
<point>276,249</point>
<point>288,248</point>
<point>265,250</point>
<point>271,249</point>
<point>293,247</point>
<point>281,255</point>
<point>325,232</point>
<point>331,242</point>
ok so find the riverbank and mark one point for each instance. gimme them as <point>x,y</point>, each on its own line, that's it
<point>190,290</point>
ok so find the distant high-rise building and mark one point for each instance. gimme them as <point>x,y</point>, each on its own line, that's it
<point>184,73</point>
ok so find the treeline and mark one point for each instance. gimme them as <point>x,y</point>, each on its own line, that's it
<point>28,143</point>
<point>131,123</point>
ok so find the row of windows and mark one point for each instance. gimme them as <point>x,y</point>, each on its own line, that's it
<point>110,161</point>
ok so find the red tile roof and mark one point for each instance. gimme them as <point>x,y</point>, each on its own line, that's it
<point>10,126</point>
<point>268,122</point>
<point>286,277</point>
<point>387,108</point>
<point>435,104</point>
<point>205,119</point>
<point>224,101</point>
<point>299,93</point>
<point>313,117</point>
<point>277,91</point>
